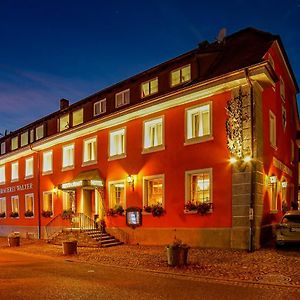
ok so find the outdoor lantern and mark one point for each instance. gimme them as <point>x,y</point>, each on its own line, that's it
<point>273,179</point>
<point>130,180</point>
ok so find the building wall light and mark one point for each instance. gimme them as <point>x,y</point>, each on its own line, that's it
<point>232,160</point>
<point>131,179</point>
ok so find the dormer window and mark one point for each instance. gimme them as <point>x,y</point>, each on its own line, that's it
<point>149,87</point>
<point>24,139</point>
<point>64,122</point>
<point>99,107</point>
<point>3,148</point>
<point>14,143</point>
<point>77,117</point>
<point>39,132</point>
<point>181,75</point>
<point>122,98</point>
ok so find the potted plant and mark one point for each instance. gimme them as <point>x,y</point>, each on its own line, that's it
<point>46,213</point>
<point>117,210</point>
<point>201,208</point>
<point>2,214</point>
<point>157,210</point>
<point>14,214</point>
<point>177,253</point>
<point>28,213</point>
<point>67,214</point>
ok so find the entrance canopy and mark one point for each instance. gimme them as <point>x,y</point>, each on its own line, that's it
<point>85,179</point>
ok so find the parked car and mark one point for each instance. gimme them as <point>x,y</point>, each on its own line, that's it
<point>288,230</point>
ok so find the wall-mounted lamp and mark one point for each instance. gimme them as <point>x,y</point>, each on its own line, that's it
<point>55,190</point>
<point>284,184</point>
<point>273,179</point>
<point>130,180</point>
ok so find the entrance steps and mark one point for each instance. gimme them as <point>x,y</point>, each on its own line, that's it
<point>86,238</point>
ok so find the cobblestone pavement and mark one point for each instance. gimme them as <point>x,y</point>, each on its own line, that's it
<point>269,266</point>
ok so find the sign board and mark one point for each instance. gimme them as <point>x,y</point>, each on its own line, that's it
<point>133,217</point>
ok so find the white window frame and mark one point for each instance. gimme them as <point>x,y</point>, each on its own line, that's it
<point>189,113</point>
<point>31,136</point>
<point>39,132</point>
<point>146,179</point>
<point>102,107</point>
<point>14,171</point>
<point>80,114</point>
<point>188,176</point>
<point>64,122</point>
<point>52,202</point>
<point>24,139</point>
<point>124,100</point>
<point>3,148</point>
<point>181,80</point>
<point>151,90</point>
<point>26,204</point>
<point>111,135</point>
<point>85,160</point>
<point>14,143</point>
<point>147,125</point>
<point>17,204</point>
<point>3,206</point>
<point>114,182</point>
<point>68,163</point>
<point>282,89</point>
<point>29,173</point>
<point>2,175</point>
<point>47,155</point>
<point>272,129</point>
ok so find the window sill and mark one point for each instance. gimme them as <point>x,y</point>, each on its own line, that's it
<point>153,149</point>
<point>194,212</point>
<point>89,163</point>
<point>198,140</point>
<point>273,211</point>
<point>14,180</point>
<point>29,217</point>
<point>67,168</point>
<point>28,177</point>
<point>47,173</point>
<point>118,156</point>
<point>274,147</point>
<point>2,183</point>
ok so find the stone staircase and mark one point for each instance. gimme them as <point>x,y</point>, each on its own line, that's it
<point>86,238</point>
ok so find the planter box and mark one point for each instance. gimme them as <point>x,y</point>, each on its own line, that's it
<point>69,247</point>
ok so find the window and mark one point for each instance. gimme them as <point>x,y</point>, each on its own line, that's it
<point>272,124</point>
<point>90,150</point>
<point>68,156</point>
<point>273,193</point>
<point>29,167</point>
<point>284,205</point>
<point>198,186</point>
<point>31,137</point>
<point>282,89</point>
<point>47,202</point>
<point>3,148</point>
<point>15,171</point>
<point>198,123</point>
<point>100,107</point>
<point>15,204</point>
<point>47,162</point>
<point>117,193</point>
<point>283,117</point>
<point>3,207</point>
<point>29,205</point>
<point>24,139</point>
<point>2,174</point>
<point>117,143</point>
<point>122,98</point>
<point>64,122</point>
<point>69,200</point>
<point>149,88</point>
<point>77,117</point>
<point>153,190</point>
<point>181,75</point>
<point>39,132</point>
<point>154,134</point>
<point>14,143</point>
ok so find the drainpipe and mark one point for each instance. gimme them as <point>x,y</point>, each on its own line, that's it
<point>38,191</point>
<point>251,246</point>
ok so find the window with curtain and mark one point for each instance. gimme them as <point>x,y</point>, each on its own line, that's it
<point>89,150</point>
<point>29,202</point>
<point>47,201</point>
<point>117,143</point>
<point>117,193</point>
<point>68,156</point>
<point>153,190</point>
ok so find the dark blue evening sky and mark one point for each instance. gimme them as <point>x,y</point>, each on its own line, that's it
<point>69,49</point>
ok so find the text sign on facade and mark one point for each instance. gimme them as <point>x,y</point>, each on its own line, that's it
<point>16,188</point>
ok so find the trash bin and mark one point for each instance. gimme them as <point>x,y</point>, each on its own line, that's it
<point>69,247</point>
<point>173,255</point>
<point>14,240</point>
<point>183,255</point>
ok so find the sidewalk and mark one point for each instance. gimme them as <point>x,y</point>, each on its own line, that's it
<point>266,265</point>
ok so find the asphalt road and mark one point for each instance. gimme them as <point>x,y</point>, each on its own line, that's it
<point>25,276</point>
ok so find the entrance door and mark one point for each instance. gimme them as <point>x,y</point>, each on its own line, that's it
<point>99,209</point>
<point>87,207</point>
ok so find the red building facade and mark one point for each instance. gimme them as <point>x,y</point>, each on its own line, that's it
<point>212,130</point>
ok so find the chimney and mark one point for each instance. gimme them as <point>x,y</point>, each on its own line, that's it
<point>64,103</point>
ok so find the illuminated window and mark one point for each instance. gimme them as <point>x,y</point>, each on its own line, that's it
<point>64,122</point>
<point>69,200</point>
<point>117,194</point>
<point>100,107</point>
<point>31,136</point>
<point>153,134</point>
<point>29,204</point>
<point>283,117</point>
<point>14,143</point>
<point>90,150</point>
<point>29,167</point>
<point>3,206</point>
<point>122,98</point>
<point>198,186</point>
<point>39,132</point>
<point>181,75</point>
<point>3,148</point>
<point>14,204</point>
<point>284,205</point>
<point>24,139</point>
<point>153,190</point>
<point>282,89</point>
<point>2,174</point>
<point>68,156</point>
<point>47,162</point>
<point>149,88</point>
<point>15,171</point>
<point>272,125</point>
<point>198,123</point>
<point>117,143</point>
<point>47,202</point>
<point>77,117</point>
<point>273,193</point>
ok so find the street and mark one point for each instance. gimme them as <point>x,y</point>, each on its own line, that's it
<point>27,276</point>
